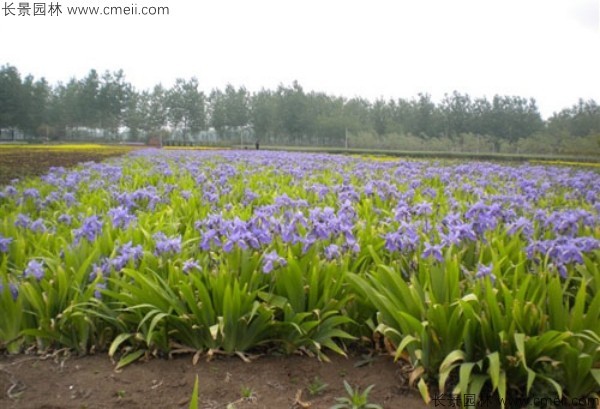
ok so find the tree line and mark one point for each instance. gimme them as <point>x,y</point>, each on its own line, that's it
<point>108,107</point>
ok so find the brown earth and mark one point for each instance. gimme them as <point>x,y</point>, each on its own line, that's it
<point>21,162</point>
<point>225,382</point>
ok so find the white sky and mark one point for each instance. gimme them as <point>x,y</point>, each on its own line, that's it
<point>546,49</point>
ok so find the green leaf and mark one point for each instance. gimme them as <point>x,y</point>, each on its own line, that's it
<point>596,375</point>
<point>494,368</point>
<point>119,339</point>
<point>194,400</point>
<point>520,344</point>
<point>374,254</point>
<point>502,388</point>
<point>150,334</point>
<point>407,340</point>
<point>464,378</point>
<point>476,384</point>
<point>129,358</point>
<point>451,358</point>
<point>424,391</point>
<point>531,375</point>
<point>444,374</point>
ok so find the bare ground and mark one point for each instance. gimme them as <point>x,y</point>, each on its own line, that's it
<point>19,162</point>
<point>268,382</point>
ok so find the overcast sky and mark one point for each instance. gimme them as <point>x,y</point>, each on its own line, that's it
<point>546,49</point>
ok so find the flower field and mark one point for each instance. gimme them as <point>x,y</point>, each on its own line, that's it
<point>483,276</point>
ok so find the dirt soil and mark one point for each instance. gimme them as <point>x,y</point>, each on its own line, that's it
<point>18,162</point>
<point>268,382</point>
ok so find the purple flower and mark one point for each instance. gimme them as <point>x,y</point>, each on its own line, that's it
<point>569,253</point>
<point>434,251</point>
<point>423,209</point>
<point>405,239</point>
<point>133,252</point>
<point>90,229</point>
<point>261,234</point>
<point>249,196</point>
<point>145,197</point>
<point>120,217</point>
<point>166,245</point>
<point>98,290</point>
<point>210,236</point>
<point>270,260</point>
<point>31,193</point>
<point>38,226</point>
<point>485,271</point>
<point>432,193</point>
<point>190,265</point>
<point>288,233</point>
<point>211,197</point>
<point>69,198</point>
<point>452,238</point>
<point>125,199</point>
<point>536,247</point>
<point>587,244</point>
<point>65,219</point>
<point>393,241</point>
<point>127,253</point>
<point>521,224</point>
<point>307,243</point>
<point>332,251</point>
<point>234,239</point>
<point>14,290</point>
<point>4,243</point>
<point>22,221</point>
<point>239,234</point>
<point>10,190</point>
<point>34,269</point>
<point>100,270</point>
<point>52,197</point>
<point>562,270</point>
<point>563,250</point>
<point>465,232</point>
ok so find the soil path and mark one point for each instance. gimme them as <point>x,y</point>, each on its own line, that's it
<point>269,382</point>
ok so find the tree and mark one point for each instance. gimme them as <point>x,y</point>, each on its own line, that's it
<point>582,119</point>
<point>262,114</point>
<point>155,110</point>
<point>11,97</point>
<point>88,111</point>
<point>329,121</point>
<point>185,105</point>
<point>293,113</point>
<point>135,113</point>
<point>481,111</point>
<point>380,117</point>
<point>111,101</point>
<point>513,118</point>
<point>427,117</point>
<point>356,114</point>
<point>36,97</point>
<point>218,111</point>
<point>237,106</point>
<point>457,112</point>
